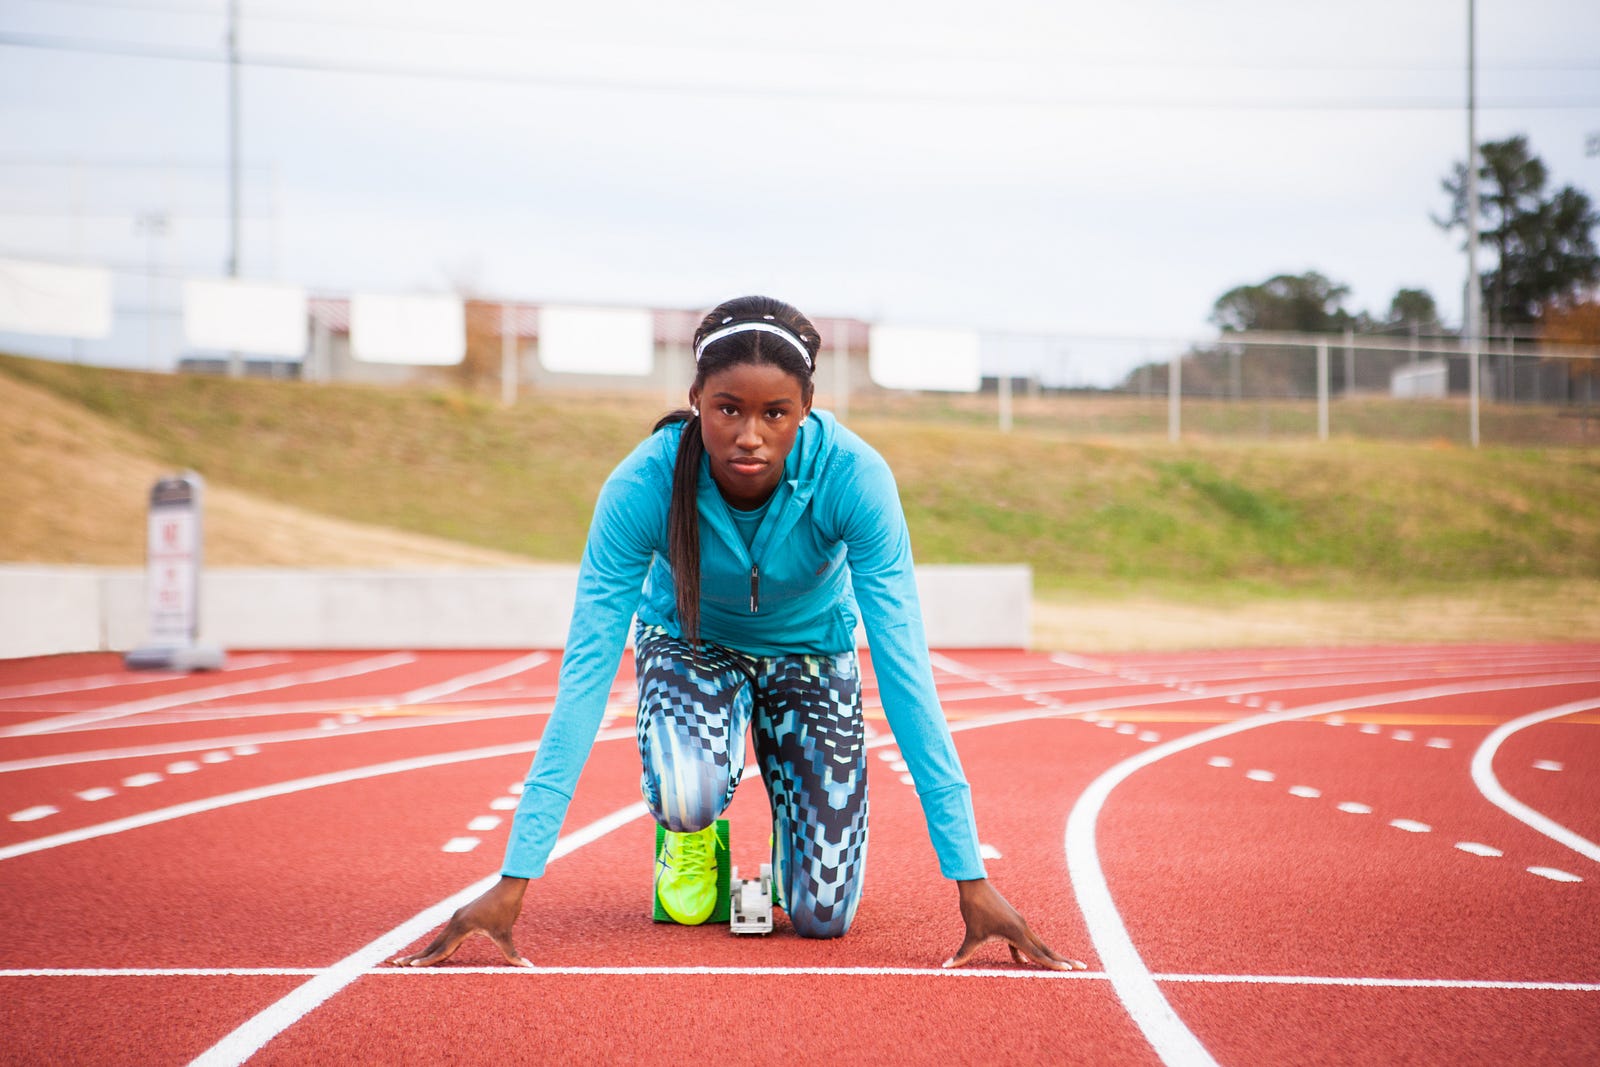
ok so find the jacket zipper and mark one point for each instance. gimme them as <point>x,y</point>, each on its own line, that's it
<point>755,588</point>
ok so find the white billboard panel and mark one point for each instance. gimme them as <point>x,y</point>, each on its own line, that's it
<point>913,357</point>
<point>429,330</point>
<point>235,316</point>
<point>44,298</point>
<point>582,340</point>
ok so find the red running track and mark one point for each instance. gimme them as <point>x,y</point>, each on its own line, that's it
<point>1340,856</point>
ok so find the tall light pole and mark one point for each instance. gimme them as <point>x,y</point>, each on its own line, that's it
<point>235,368</point>
<point>1474,314</point>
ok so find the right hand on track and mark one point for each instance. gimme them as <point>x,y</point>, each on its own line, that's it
<point>493,915</point>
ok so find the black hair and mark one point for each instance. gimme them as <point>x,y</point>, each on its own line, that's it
<point>747,346</point>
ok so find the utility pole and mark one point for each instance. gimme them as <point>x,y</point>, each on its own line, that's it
<point>1474,295</point>
<point>235,367</point>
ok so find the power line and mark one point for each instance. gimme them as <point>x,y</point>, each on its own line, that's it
<point>304,64</point>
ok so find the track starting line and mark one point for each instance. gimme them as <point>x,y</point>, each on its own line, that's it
<point>873,972</point>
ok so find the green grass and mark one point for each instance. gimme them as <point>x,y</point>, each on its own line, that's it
<point>1090,509</point>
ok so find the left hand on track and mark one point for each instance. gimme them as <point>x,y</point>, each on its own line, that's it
<point>988,915</point>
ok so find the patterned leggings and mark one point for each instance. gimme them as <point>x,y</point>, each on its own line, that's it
<point>694,714</point>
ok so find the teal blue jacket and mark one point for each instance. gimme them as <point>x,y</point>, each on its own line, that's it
<point>833,542</point>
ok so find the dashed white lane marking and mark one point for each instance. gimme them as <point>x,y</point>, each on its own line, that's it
<point>248,1039</point>
<point>1555,874</point>
<point>889,755</point>
<point>1438,742</point>
<point>1371,728</point>
<point>99,792</point>
<point>899,766</point>
<point>1411,826</point>
<point>216,757</point>
<point>183,767</point>
<point>1479,849</point>
<point>1484,778</point>
<point>139,781</point>
<point>1132,981</point>
<point>246,750</point>
<point>515,789</point>
<point>1220,761</point>
<point>906,779</point>
<point>277,789</point>
<point>34,814</point>
<point>484,823</point>
<point>988,852</point>
<point>1034,975</point>
<point>1260,776</point>
<point>1309,792</point>
<point>1403,735</point>
<point>460,844</point>
<point>503,804</point>
<point>214,692</point>
<point>1149,736</point>
<point>1354,807</point>
<point>1546,765</point>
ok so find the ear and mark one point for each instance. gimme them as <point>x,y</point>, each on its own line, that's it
<point>694,400</point>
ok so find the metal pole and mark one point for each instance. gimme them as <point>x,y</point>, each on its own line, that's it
<point>1005,400</point>
<point>508,356</point>
<point>1349,361</point>
<point>841,369</point>
<point>1322,390</point>
<point>235,365</point>
<point>1174,391</point>
<point>1473,325</point>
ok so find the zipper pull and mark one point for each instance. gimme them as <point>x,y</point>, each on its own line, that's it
<point>755,588</point>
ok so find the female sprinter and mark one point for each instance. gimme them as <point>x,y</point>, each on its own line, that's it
<point>746,533</point>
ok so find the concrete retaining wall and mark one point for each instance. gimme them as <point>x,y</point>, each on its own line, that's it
<point>45,610</point>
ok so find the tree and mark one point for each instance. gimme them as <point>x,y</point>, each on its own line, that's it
<point>1413,309</point>
<point>1544,247</point>
<point>1303,303</point>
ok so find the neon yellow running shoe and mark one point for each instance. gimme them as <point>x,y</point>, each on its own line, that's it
<point>686,875</point>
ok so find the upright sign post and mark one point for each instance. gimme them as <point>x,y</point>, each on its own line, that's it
<point>172,577</point>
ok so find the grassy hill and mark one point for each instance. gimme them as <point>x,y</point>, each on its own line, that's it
<point>1289,538</point>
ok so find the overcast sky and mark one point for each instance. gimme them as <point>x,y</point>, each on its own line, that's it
<point>1084,171</point>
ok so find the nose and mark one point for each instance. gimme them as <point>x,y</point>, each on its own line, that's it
<point>749,435</point>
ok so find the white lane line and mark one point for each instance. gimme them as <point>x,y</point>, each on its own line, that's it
<point>1355,808</point>
<point>1478,849</point>
<point>278,789</point>
<point>1546,765</point>
<point>1036,974</point>
<point>128,678</point>
<point>1261,776</point>
<point>1411,826</point>
<point>98,792</point>
<point>483,823</point>
<point>1555,874</point>
<point>1484,778</point>
<point>252,741</point>
<point>461,844</point>
<point>429,693</point>
<point>1308,791</point>
<point>250,1037</point>
<point>139,781</point>
<point>214,692</point>
<point>1132,981</point>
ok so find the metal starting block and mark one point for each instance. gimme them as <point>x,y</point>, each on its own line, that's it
<point>750,903</point>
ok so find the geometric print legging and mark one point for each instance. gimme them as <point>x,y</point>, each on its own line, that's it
<point>696,709</point>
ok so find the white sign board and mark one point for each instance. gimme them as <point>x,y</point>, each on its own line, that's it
<point>234,316</point>
<point>426,330</point>
<point>910,357</point>
<point>172,580</point>
<point>579,340</point>
<point>44,298</point>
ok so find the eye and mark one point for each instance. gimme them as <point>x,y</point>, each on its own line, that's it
<point>729,410</point>
<point>777,414</point>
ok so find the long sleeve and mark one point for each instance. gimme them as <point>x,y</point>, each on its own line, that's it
<point>615,560</point>
<point>881,572</point>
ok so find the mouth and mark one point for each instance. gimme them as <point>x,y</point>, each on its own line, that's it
<point>747,464</point>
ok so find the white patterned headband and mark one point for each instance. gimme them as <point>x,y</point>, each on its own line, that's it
<point>745,327</point>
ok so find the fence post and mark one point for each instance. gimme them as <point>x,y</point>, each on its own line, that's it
<point>1174,391</point>
<point>1322,390</point>
<point>508,356</point>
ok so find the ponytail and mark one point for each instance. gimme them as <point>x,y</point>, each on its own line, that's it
<point>683,521</point>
